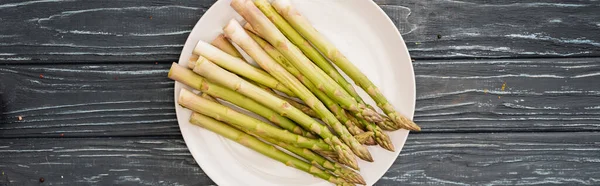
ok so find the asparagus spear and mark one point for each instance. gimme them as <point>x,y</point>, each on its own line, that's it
<point>192,61</point>
<point>380,137</point>
<point>311,53</point>
<point>334,107</point>
<point>304,108</point>
<point>307,154</point>
<point>203,106</point>
<point>189,78</point>
<point>366,138</point>
<point>223,44</point>
<point>238,35</point>
<point>306,48</point>
<point>255,144</point>
<point>386,124</point>
<point>232,81</point>
<point>266,29</point>
<point>238,66</point>
<point>303,26</point>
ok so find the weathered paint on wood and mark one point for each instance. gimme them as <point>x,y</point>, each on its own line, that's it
<point>508,95</point>
<point>452,96</point>
<point>427,159</point>
<point>87,100</point>
<point>138,30</point>
<point>494,29</point>
<point>98,161</point>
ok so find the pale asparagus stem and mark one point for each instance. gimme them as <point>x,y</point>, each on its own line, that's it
<point>305,46</point>
<point>307,154</point>
<point>223,44</point>
<point>216,74</point>
<point>365,137</point>
<point>238,66</point>
<point>213,99</point>
<point>192,61</point>
<point>255,144</point>
<point>303,26</point>
<point>380,137</point>
<point>203,106</point>
<point>239,36</point>
<point>189,78</point>
<point>263,26</point>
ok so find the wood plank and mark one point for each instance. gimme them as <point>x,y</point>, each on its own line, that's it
<point>508,95</point>
<point>427,159</point>
<point>138,30</point>
<point>93,31</point>
<point>494,29</point>
<point>453,96</point>
<point>86,100</point>
<point>98,161</point>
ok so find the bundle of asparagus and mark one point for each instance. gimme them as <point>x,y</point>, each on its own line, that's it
<point>294,87</point>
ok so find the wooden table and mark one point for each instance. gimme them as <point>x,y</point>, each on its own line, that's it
<point>508,92</point>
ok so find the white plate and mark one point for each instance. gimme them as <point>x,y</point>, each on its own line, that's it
<point>369,39</point>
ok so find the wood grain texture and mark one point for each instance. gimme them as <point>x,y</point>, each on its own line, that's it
<point>50,31</point>
<point>86,100</point>
<point>508,95</point>
<point>92,31</point>
<point>98,161</point>
<point>427,159</point>
<point>497,29</point>
<point>452,96</point>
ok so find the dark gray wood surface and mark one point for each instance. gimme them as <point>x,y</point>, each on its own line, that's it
<point>427,159</point>
<point>88,80</point>
<point>138,30</point>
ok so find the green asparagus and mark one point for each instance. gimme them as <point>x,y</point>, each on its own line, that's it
<point>303,26</point>
<point>189,78</point>
<point>266,29</point>
<point>255,144</point>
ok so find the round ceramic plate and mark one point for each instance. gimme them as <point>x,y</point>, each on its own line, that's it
<point>364,33</point>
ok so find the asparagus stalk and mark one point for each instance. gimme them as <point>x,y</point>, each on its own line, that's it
<point>386,124</point>
<point>310,52</point>
<point>189,78</point>
<point>223,44</point>
<point>304,108</point>
<point>239,36</point>
<point>303,26</point>
<point>232,81</point>
<point>380,137</point>
<point>266,29</point>
<point>334,107</point>
<point>255,144</point>
<point>192,61</point>
<point>307,154</point>
<point>239,66</point>
<point>366,138</point>
<point>203,106</point>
